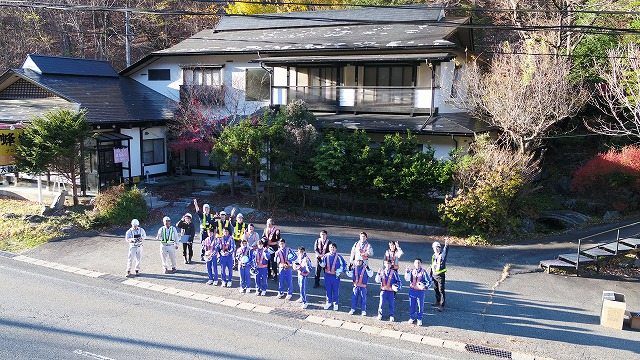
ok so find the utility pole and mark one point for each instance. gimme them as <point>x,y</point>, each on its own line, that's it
<point>127,34</point>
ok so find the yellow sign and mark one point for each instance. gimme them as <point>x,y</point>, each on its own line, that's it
<point>8,142</point>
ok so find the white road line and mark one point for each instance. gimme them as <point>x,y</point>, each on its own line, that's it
<point>91,355</point>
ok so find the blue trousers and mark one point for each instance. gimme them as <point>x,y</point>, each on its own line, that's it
<point>302,284</point>
<point>226,267</point>
<point>388,297</point>
<point>245,276</point>
<point>416,304</point>
<point>212,269</point>
<point>261,279</point>
<point>285,278</point>
<point>362,292</point>
<point>331,285</point>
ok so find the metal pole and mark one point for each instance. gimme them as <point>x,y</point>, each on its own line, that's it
<point>617,241</point>
<point>126,35</point>
<point>578,258</point>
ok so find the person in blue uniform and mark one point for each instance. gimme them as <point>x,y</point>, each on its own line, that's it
<point>419,281</point>
<point>210,245</point>
<point>389,285</point>
<point>226,248</point>
<point>285,257</point>
<point>243,259</point>
<point>261,258</point>
<point>303,266</point>
<point>334,265</point>
<point>359,274</point>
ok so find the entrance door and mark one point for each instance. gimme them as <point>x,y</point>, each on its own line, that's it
<point>109,172</point>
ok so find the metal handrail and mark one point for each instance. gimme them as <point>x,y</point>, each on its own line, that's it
<point>598,234</point>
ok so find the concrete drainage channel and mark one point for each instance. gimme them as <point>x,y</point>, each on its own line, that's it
<point>330,322</point>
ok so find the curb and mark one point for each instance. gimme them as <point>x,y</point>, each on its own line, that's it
<point>314,319</point>
<point>410,227</point>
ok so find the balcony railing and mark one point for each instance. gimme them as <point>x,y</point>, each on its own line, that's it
<point>358,99</point>
<point>211,95</point>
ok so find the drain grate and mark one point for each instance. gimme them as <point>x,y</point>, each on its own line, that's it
<point>478,349</point>
<point>7,254</point>
<point>289,314</point>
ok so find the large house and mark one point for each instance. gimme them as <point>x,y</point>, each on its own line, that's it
<point>128,120</point>
<point>385,70</point>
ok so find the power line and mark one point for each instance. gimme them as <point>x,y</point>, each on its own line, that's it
<point>411,5</point>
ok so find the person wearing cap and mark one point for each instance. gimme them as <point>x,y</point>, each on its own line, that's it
<point>334,265</point>
<point>227,249</point>
<point>222,223</point>
<point>207,222</point>
<point>188,232</point>
<point>362,248</point>
<point>243,258</point>
<point>211,254</point>
<point>419,281</point>
<point>359,274</point>
<point>134,237</point>
<point>261,264</point>
<point>389,285</point>
<point>272,234</point>
<point>437,271</point>
<point>321,248</point>
<point>303,267</point>
<point>238,226</point>
<point>285,258</point>
<point>168,237</point>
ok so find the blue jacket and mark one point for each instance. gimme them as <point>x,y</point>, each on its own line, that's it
<point>333,265</point>
<point>226,243</point>
<point>388,278</point>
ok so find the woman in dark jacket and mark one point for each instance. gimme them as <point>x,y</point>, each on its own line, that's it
<point>188,232</point>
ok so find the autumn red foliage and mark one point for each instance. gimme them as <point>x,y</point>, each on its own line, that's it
<point>613,177</point>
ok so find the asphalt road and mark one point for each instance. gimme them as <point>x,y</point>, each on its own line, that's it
<point>50,314</point>
<point>496,296</point>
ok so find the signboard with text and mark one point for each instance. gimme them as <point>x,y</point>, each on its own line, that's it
<point>9,139</point>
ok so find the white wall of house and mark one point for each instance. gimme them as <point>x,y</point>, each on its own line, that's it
<point>159,132</point>
<point>444,144</point>
<point>232,71</point>
<point>135,156</point>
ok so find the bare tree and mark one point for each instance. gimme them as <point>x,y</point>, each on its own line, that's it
<point>620,94</point>
<point>522,93</point>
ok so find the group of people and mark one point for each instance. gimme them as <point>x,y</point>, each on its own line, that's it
<point>229,245</point>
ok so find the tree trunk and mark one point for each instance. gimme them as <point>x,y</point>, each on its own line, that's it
<point>232,174</point>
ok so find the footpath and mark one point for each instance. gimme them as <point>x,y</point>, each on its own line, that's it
<point>499,302</point>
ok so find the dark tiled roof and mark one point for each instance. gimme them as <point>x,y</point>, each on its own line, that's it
<point>72,66</point>
<point>391,36</point>
<point>108,100</point>
<point>362,15</point>
<point>442,124</point>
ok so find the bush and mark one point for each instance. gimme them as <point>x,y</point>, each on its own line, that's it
<point>612,178</point>
<point>117,206</point>
<point>491,181</point>
<point>482,209</point>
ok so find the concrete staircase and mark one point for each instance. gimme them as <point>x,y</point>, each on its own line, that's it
<point>153,201</point>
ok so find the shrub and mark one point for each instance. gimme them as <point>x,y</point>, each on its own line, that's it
<point>490,180</point>
<point>612,178</point>
<point>116,205</point>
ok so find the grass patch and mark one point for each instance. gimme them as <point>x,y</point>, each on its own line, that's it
<point>23,227</point>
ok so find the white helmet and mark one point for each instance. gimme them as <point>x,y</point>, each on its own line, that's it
<point>206,206</point>
<point>435,245</point>
<point>135,222</point>
<point>240,216</point>
<point>165,219</point>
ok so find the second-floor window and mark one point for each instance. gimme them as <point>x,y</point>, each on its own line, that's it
<point>391,76</point>
<point>203,84</point>
<point>210,76</point>
<point>159,74</point>
<point>257,85</point>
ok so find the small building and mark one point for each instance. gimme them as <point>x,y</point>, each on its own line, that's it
<point>128,120</point>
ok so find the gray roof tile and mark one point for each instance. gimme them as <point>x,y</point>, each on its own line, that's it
<point>73,66</point>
